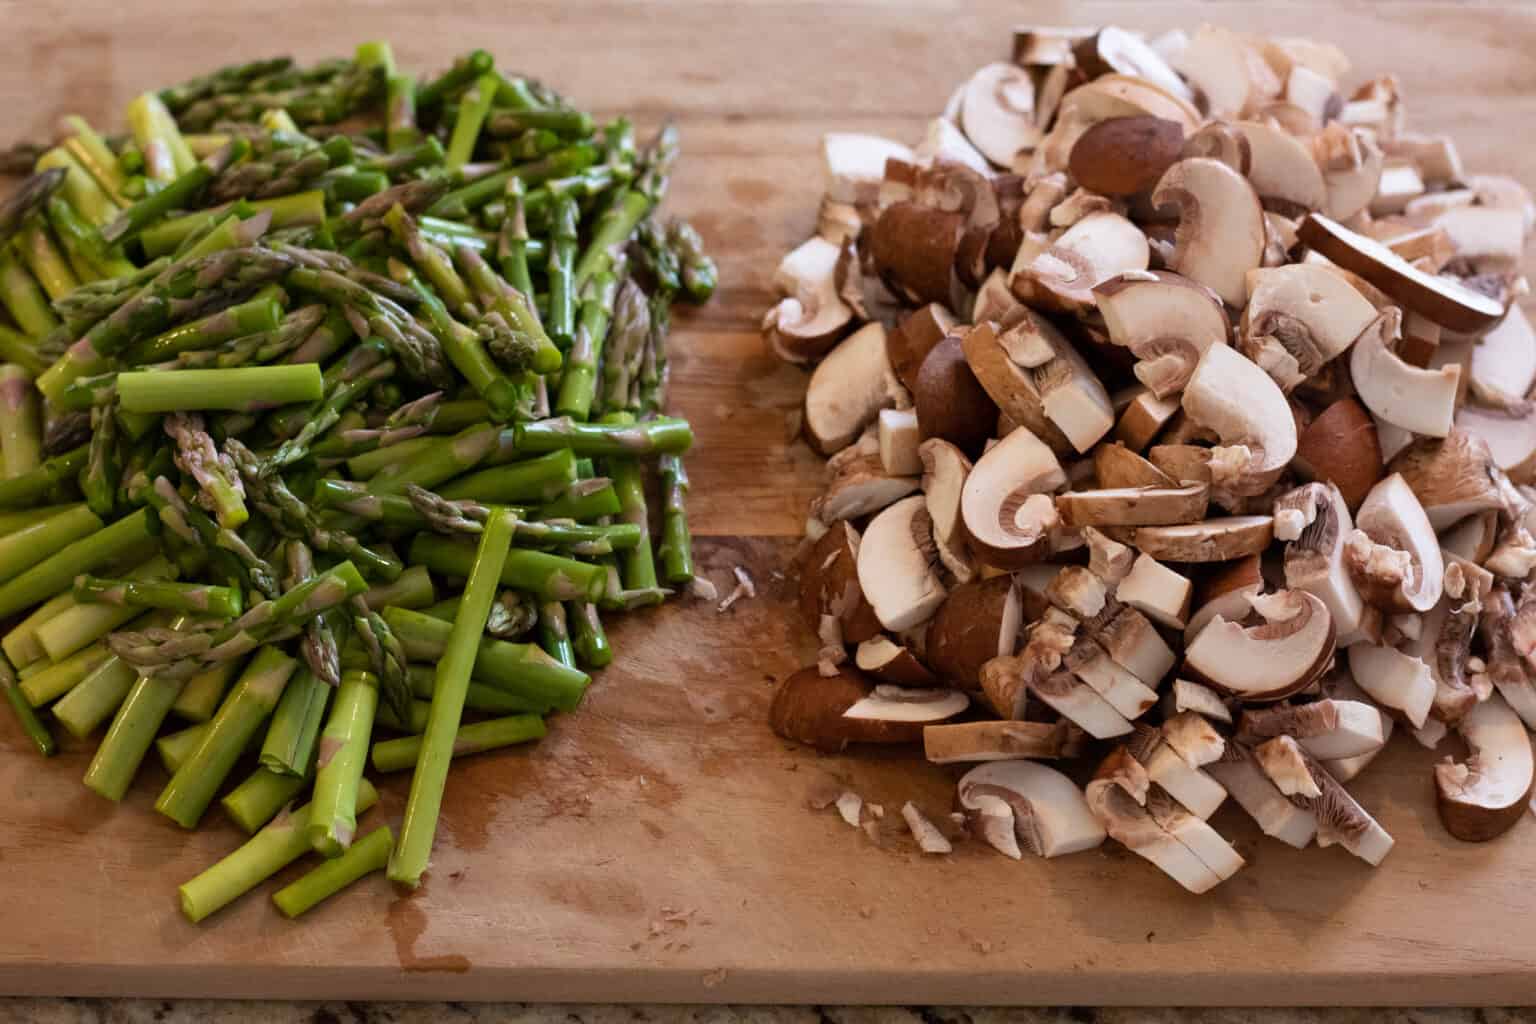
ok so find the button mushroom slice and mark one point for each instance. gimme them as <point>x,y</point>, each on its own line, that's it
<point>1061,276</point>
<point>1077,590</point>
<point>860,487</point>
<point>1507,670</point>
<point>808,708</point>
<point>1393,554</point>
<point>1114,50</point>
<point>1435,156</point>
<point>977,622</point>
<point>951,402</point>
<point>963,742</point>
<point>914,336</point>
<point>1313,93</point>
<point>1193,738</point>
<point>893,663</point>
<point>1221,65</point>
<point>1078,702</point>
<point>1193,833</point>
<point>1118,686</point>
<point>1445,645</point>
<point>1188,784</point>
<point>994,299</point>
<point>1133,827</point>
<point>944,143</point>
<point>1221,229</point>
<point>1143,418</point>
<point>1487,237</point>
<point>1452,476</point>
<point>1504,192</point>
<point>1443,300</point>
<point>855,164</point>
<point>1504,359</point>
<point>1511,438</point>
<point>1316,521</point>
<point>1184,696</point>
<point>1313,315</point>
<point>1267,662</point>
<point>1046,45</point>
<point>1482,797</point>
<point>1020,805</point>
<point>1015,388</point>
<point>1327,729</point>
<point>945,470</point>
<point>1115,465</point>
<point>1352,163</point>
<point>1133,506</point>
<point>1340,446</point>
<point>1157,591</point>
<point>848,390</point>
<point>1215,540</point>
<point>997,112</point>
<point>1339,685</point>
<point>1225,592</point>
<point>1108,559</point>
<point>1418,400</point>
<point>812,316</point>
<point>1394,679</point>
<point>1234,397</point>
<point>1167,321</point>
<point>1129,637</point>
<point>1274,813</point>
<point>896,558</point>
<point>1282,760</point>
<point>899,442</point>
<point>1006,506</point>
<point>1219,141</point>
<point>1282,169</point>
<point>1399,185</point>
<point>1006,679</point>
<point>902,704</point>
<point>829,585</point>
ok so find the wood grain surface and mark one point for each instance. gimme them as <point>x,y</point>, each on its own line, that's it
<point>658,847</point>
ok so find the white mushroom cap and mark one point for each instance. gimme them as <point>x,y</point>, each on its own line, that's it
<point>1006,503</point>
<point>1308,303</point>
<point>1021,805</point>
<point>810,318</point>
<point>849,388</point>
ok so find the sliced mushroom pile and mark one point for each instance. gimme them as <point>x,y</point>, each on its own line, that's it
<point>1178,405</point>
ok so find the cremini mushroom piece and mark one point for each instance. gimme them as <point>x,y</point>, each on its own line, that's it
<point>896,565</point>
<point>1418,400</point>
<point>1270,661</point>
<point>1006,505</point>
<point>812,316</point>
<point>1167,321</point>
<point>1482,797</point>
<point>1019,805</point>
<point>1221,225</point>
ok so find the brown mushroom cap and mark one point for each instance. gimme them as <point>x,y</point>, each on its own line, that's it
<point>914,247</point>
<point>908,343</point>
<point>829,585</point>
<point>1484,796</point>
<point>1006,505</point>
<point>1123,156</point>
<point>848,389</point>
<point>1452,476</point>
<point>893,663</point>
<point>1340,447</point>
<point>808,708</point>
<point>951,402</point>
<point>977,622</point>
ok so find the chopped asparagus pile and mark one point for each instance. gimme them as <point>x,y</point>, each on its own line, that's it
<point>325,407</point>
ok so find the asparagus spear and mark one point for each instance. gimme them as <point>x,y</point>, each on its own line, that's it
<point>30,723</point>
<point>413,589</point>
<point>243,389</point>
<point>192,598</point>
<point>215,472</point>
<point>523,670</point>
<point>343,751</point>
<point>676,549</point>
<point>259,798</point>
<point>399,754</point>
<point>201,696</point>
<point>561,269</point>
<point>656,436</point>
<point>58,571</point>
<point>409,860</point>
<point>22,297</point>
<point>369,854</point>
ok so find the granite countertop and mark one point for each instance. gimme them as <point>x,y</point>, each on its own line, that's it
<point>156,1011</point>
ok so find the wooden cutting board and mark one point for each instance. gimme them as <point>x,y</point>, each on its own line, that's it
<point>658,846</point>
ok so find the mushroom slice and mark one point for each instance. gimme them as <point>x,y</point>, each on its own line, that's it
<point>1504,359</point>
<point>848,390</point>
<point>1311,313</point>
<point>1314,560</point>
<point>829,585</point>
<point>808,708</point>
<point>1270,661</point>
<point>1400,184</point>
<point>994,299</point>
<point>1006,506</point>
<point>964,742</point>
<point>951,402</point>
<point>1124,156</point>
<point>1108,559</point>
<point>899,442</point>
<point>1452,476</point>
<point>1394,679</point>
<point>1483,797</point>
<point>1193,833</point>
<point>900,704</point>
<point>1340,820</point>
<point>1472,539</point>
<point>1352,165</point>
<point>1078,702</point>
<point>977,622</point>
<point>1046,45</point>
<point>1217,140</point>
<point>914,336</point>
<point>945,469</point>
<point>1189,785</point>
<point>913,247</point>
<point>1115,465</point>
<point>1133,506</point>
<point>1215,540</point>
<point>1184,696</point>
<point>860,487</point>
<point>1113,49</point>
<point>1062,275</point>
<point>991,350</point>
<point>1193,738</point>
<point>1167,321</point>
<point>855,164</point>
<point>1078,591</point>
<point>944,143</point>
<point>1221,229</point>
<point>896,566</point>
<point>1507,670</point>
<point>1313,93</point>
<point>1132,826</point>
<point>1441,299</point>
<point>997,107</point>
<point>1510,438</point>
<point>1143,418</point>
<point>1157,591</point>
<point>1422,401</point>
<point>1006,679</point>
<point>1488,237</point>
<point>1282,760</point>
<point>1274,813</point>
<point>1219,63</point>
<point>813,316</point>
<point>1445,645</point>
<point>929,839</point>
<point>1246,408</point>
<point>892,663</point>
<point>1340,446</point>
<point>1435,156</point>
<point>1393,554</point>
<point>1021,805</point>
<point>1327,729</point>
<point>1282,168</point>
<point>1117,685</point>
<point>1226,593</point>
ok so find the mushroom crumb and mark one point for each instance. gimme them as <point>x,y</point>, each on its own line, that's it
<point>745,587</point>
<point>703,590</point>
<point>1155,355</point>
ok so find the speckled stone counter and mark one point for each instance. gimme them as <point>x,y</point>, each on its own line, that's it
<point>153,1011</point>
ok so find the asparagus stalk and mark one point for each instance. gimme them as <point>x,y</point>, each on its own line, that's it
<point>523,670</point>
<point>538,479</point>
<point>289,746</point>
<point>26,547</point>
<point>201,599</point>
<point>555,634</point>
<point>550,577</point>
<point>283,841</point>
<point>174,748</point>
<point>588,637</point>
<point>248,705</point>
<point>21,645</point>
<point>473,108</point>
<point>413,589</point>
<point>47,263</point>
<point>367,855</point>
<point>561,270</point>
<point>30,723</point>
<point>95,698</point>
<point>243,389</point>
<point>583,501</point>
<point>59,678</point>
<point>204,692</point>
<point>128,739</point>
<point>662,435</point>
<point>263,793</point>
<point>23,297</point>
<point>400,131</point>
<point>343,751</point>
<point>399,754</point>
<point>676,549</point>
<point>58,571</point>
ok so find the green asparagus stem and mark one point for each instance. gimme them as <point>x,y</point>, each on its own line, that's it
<point>638,565</point>
<point>614,226</point>
<point>91,152</point>
<point>200,599</point>
<point>26,489</point>
<point>419,828</point>
<point>399,754</point>
<point>479,697</point>
<point>128,739</point>
<point>21,550</point>
<point>21,645</point>
<point>248,705</point>
<point>406,422</point>
<point>533,480</point>
<point>627,340</point>
<point>551,577</point>
<point>321,647</point>
<point>371,464</point>
<point>588,637</point>
<point>583,501</point>
<point>555,634</point>
<point>463,348</point>
<point>464,71</point>
<point>512,242</point>
<point>103,471</point>
<point>47,263</point>
<point>244,389</point>
<point>461,202</point>
<point>257,800</point>
<point>473,108</point>
<point>676,548</point>
<point>90,257</point>
<point>17,348</point>
<point>23,298</point>
<point>662,435</point>
<point>400,131</point>
<point>415,721</point>
<point>30,723</point>
<point>199,700</point>
<point>59,678</point>
<point>152,126</point>
<point>280,843</point>
<point>512,304</point>
<point>343,752</point>
<point>561,269</point>
<point>522,670</point>
<point>413,589</point>
<point>95,698</point>
<point>174,748</point>
<point>58,571</point>
<point>262,313</point>
<point>367,855</point>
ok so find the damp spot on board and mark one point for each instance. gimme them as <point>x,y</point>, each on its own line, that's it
<point>751,190</point>
<point>407,922</point>
<point>593,893</point>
